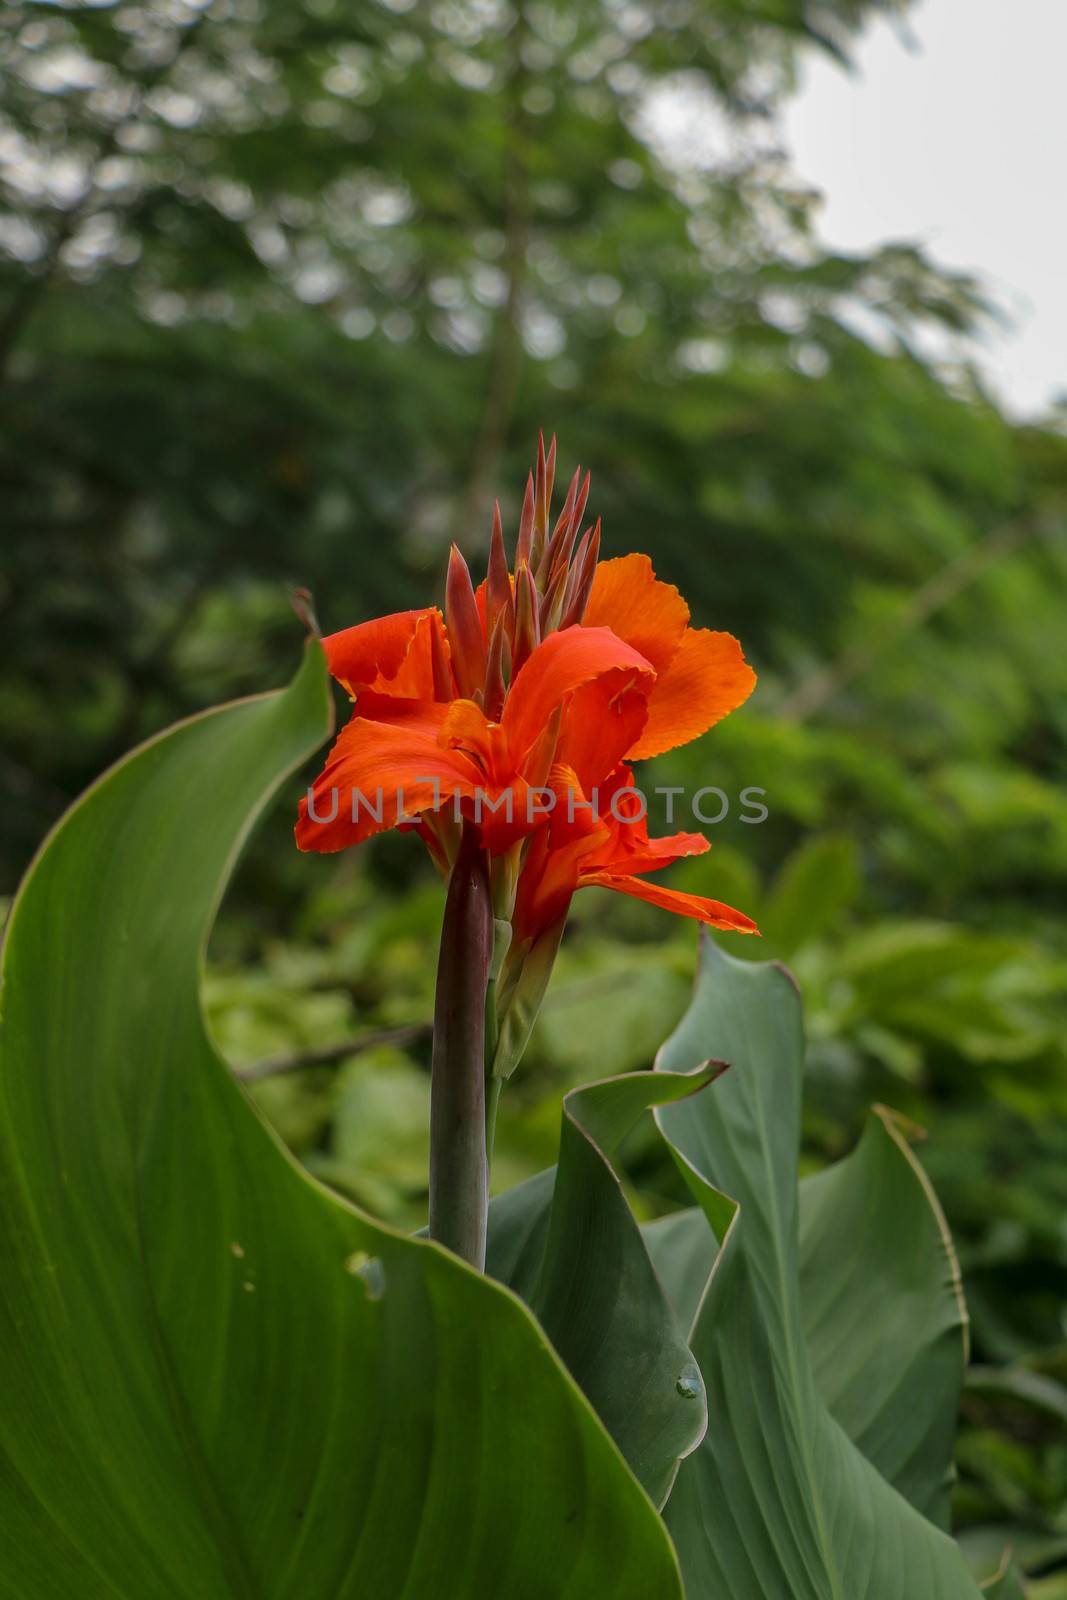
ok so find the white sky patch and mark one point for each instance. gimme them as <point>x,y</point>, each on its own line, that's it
<point>954,140</point>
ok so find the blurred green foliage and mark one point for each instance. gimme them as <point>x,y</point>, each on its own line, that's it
<point>285,293</point>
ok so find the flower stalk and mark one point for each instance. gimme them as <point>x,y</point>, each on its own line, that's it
<point>502,731</point>
<point>459,1174</point>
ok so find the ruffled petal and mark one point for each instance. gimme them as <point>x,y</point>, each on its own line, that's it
<point>653,854</point>
<point>713,912</point>
<point>625,846</point>
<point>376,776</point>
<point>561,664</point>
<point>372,653</point>
<point>414,677</point>
<point>628,598</point>
<point>707,677</point>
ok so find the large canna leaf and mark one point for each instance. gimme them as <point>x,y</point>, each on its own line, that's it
<point>880,1304</point>
<point>218,1381</point>
<point>777,1501</point>
<point>567,1241</point>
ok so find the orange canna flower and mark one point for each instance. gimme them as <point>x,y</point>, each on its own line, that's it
<point>520,709</point>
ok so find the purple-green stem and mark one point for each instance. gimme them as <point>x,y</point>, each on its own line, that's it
<point>459,1169</point>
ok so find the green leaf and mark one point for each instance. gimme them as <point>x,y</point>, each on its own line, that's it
<point>880,1304</point>
<point>883,1311</point>
<point>777,1500</point>
<point>816,886</point>
<point>1018,1383</point>
<point>1054,1587</point>
<point>219,1381</point>
<point>568,1242</point>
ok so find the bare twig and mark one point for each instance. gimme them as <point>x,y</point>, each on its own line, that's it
<point>329,1055</point>
<point>826,684</point>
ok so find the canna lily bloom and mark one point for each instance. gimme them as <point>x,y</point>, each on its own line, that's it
<point>519,710</point>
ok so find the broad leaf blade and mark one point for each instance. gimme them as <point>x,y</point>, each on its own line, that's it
<point>883,1311</point>
<point>219,1381</point>
<point>777,1499</point>
<point>569,1244</point>
<point>880,1303</point>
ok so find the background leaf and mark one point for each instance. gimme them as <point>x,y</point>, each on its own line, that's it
<point>567,1241</point>
<point>796,1508</point>
<point>815,889</point>
<point>880,1303</point>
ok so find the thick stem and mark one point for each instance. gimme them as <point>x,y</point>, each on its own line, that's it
<point>459,1176</point>
<point>493,1085</point>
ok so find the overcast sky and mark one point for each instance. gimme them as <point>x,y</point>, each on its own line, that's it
<point>956,138</point>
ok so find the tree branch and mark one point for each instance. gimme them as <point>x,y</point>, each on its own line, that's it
<point>31,292</point>
<point>329,1055</point>
<point>824,685</point>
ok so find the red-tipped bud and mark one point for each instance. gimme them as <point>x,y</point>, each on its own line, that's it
<point>498,581</point>
<point>558,549</point>
<point>303,603</point>
<point>524,547</point>
<point>574,575</point>
<point>583,571</point>
<point>527,627</point>
<point>546,473</point>
<point>579,507</point>
<point>464,626</point>
<point>578,562</point>
<point>552,602</point>
<point>498,669</point>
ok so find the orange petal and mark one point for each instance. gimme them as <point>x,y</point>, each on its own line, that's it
<point>605,718</point>
<point>708,676</point>
<point>415,675</point>
<point>548,879</point>
<point>427,717</point>
<point>628,598</point>
<point>559,665</point>
<point>625,847</point>
<point>372,652</point>
<point>466,727</point>
<point>650,856</point>
<point>385,774</point>
<point>712,912</point>
<point>574,816</point>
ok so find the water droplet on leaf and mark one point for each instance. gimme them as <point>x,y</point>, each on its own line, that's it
<point>370,1270</point>
<point>689,1385</point>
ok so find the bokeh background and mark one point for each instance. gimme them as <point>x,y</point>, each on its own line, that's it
<point>286,291</point>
